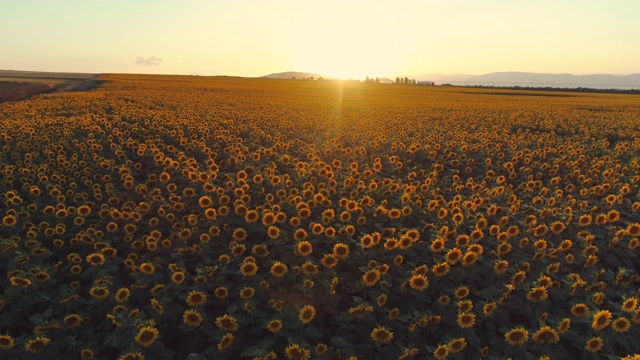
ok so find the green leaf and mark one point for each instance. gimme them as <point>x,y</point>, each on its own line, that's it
<point>194,356</point>
<point>338,342</point>
<point>253,351</point>
<point>312,332</point>
<point>36,319</point>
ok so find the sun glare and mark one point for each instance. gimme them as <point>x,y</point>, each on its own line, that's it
<point>347,45</point>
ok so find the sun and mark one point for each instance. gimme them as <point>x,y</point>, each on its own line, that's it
<point>346,45</point>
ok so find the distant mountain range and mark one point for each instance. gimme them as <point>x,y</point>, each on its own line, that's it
<point>505,79</point>
<point>539,79</point>
<point>294,74</point>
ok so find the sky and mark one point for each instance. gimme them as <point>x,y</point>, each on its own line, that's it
<point>344,39</point>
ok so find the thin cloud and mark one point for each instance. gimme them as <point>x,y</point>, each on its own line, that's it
<point>149,61</point>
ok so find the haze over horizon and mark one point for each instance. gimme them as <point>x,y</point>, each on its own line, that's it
<point>333,38</point>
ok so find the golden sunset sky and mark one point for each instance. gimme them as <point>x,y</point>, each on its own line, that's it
<point>334,38</point>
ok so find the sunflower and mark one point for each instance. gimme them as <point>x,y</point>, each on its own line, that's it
<point>227,323</point>
<point>341,250</point>
<point>268,219</point>
<point>505,248</point>
<point>239,234</point>
<point>500,267</point>
<point>457,345</point>
<point>247,292</point>
<point>307,313</point>
<point>221,292</point>
<point>546,335</point>
<point>564,325</point>
<point>594,344</point>
<point>517,336</point>
<point>489,308</point>
<point>274,326</point>
<point>621,325</point>
<point>237,250</point>
<point>393,313</point>
<point>72,320</point>
<point>95,259</point>
<point>367,241</point>
<point>465,306</point>
<point>381,335</point>
<point>196,298</point>
<point>461,292</point>
<point>122,294</point>
<point>540,244</point>
<point>453,255</point>
<point>418,282</point>
<point>476,235</point>
<point>469,258</point>
<point>192,318</point>
<point>545,281</point>
<point>381,300</point>
<point>300,234</point>
<point>147,268</point>
<point>557,227</point>
<point>273,232</point>
<point>537,294</point>
<point>565,245</point>
<point>518,277</point>
<point>466,320</point>
<point>601,319</point>
<point>225,342</point>
<point>440,269</point>
<point>437,245</point>
<point>629,305</point>
<point>580,310</point>
<point>405,242</point>
<point>585,220</point>
<point>86,354</point>
<point>330,231</point>
<point>329,260</point>
<point>304,248</point>
<point>146,336</point>
<point>317,229</point>
<point>309,268</point>
<point>6,342</point>
<point>99,292</point>
<point>321,349</point>
<point>37,344</point>
<point>248,269</point>
<point>279,269</point>
<point>441,352</point>
<point>295,352</point>
<point>177,277</point>
<point>371,277</point>
<point>633,229</point>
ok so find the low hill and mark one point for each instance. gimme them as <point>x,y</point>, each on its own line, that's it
<point>294,74</point>
<point>560,79</point>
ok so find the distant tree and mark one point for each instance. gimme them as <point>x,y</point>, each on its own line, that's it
<point>293,78</point>
<point>377,80</point>
<point>397,80</point>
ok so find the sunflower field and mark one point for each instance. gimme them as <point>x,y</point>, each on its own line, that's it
<point>185,217</point>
